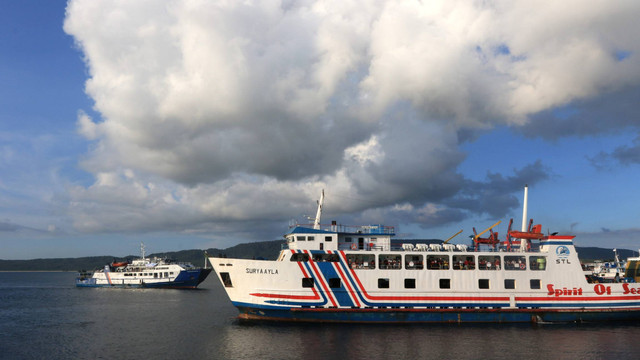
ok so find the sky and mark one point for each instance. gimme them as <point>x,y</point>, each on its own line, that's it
<point>196,124</point>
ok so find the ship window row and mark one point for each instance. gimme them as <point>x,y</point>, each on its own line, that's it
<point>166,274</point>
<point>307,238</point>
<point>433,262</point>
<point>410,283</point>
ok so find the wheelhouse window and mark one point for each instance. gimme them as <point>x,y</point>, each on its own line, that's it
<point>489,262</point>
<point>328,238</point>
<point>300,238</point>
<point>390,262</point>
<point>361,261</point>
<point>515,263</point>
<point>438,262</point>
<point>413,262</point>
<point>311,238</point>
<point>464,262</point>
<point>300,257</point>
<point>538,262</point>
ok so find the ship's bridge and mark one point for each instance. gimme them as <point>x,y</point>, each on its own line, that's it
<point>340,237</point>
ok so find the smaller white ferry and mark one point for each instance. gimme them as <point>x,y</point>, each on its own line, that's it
<point>613,271</point>
<point>145,273</point>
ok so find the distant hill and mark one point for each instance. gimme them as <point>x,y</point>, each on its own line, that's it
<point>257,250</point>
<point>264,249</point>
<point>595,253</point>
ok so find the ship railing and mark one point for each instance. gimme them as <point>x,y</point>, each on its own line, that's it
<point>353,229</point>
<point>420,247</point>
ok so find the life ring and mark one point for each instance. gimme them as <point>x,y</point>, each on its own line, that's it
<point>521,266</point>
<point>354,246</point>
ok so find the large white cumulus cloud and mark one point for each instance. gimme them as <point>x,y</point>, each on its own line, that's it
<point>215,112</point>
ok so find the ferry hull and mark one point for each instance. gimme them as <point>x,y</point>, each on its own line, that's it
<point>405,316</point>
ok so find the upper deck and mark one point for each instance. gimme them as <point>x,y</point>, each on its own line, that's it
<point>337,237</point>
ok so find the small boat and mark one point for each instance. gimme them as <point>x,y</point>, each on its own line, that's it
<point>610,271</point>
<point>340,273</point>
<point>632,269</point>
<point>145,273</point>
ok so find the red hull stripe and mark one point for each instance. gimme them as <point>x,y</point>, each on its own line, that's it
<point>346,282</point>
<point>321,280</point>
<point>281,296</point>
<point>578,298</point>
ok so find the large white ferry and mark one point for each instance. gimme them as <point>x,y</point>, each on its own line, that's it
<point>337,273</point>
<point>145,273</point>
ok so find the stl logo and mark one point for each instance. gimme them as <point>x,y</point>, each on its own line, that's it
<point>562,251</point>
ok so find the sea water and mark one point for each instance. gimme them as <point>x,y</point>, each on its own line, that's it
<point>44,316</point>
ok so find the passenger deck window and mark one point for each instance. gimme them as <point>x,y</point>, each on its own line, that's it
<point>464,262</point>
<point>515,263</point>
<point>361,261</point>
<point>326,257</point>
<point>390,262</point>
<point>489,262</point>
<point>438,262</point>
<point>538,262</point>
<point>300,257</point>
<point>334,283</point>
<point>413,262</point>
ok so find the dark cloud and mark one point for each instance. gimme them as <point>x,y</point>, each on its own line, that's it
<point>7,226</point>
<point>625,155</point>
<point>495,196</point>
<point>608,113</point>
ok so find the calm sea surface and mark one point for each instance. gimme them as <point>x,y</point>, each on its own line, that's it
<point>44,316</point>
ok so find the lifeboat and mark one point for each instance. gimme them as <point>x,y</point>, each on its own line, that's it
<point>534,233</point>
<point>119,264</point>
<point>526,235</point>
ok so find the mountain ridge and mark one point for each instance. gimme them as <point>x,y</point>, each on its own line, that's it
<point>268,250</point>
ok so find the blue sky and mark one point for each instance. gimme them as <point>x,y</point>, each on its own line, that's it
<point>189,125</point>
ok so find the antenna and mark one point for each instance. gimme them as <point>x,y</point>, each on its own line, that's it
<point>525,205</point>
<point>316,223</point>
